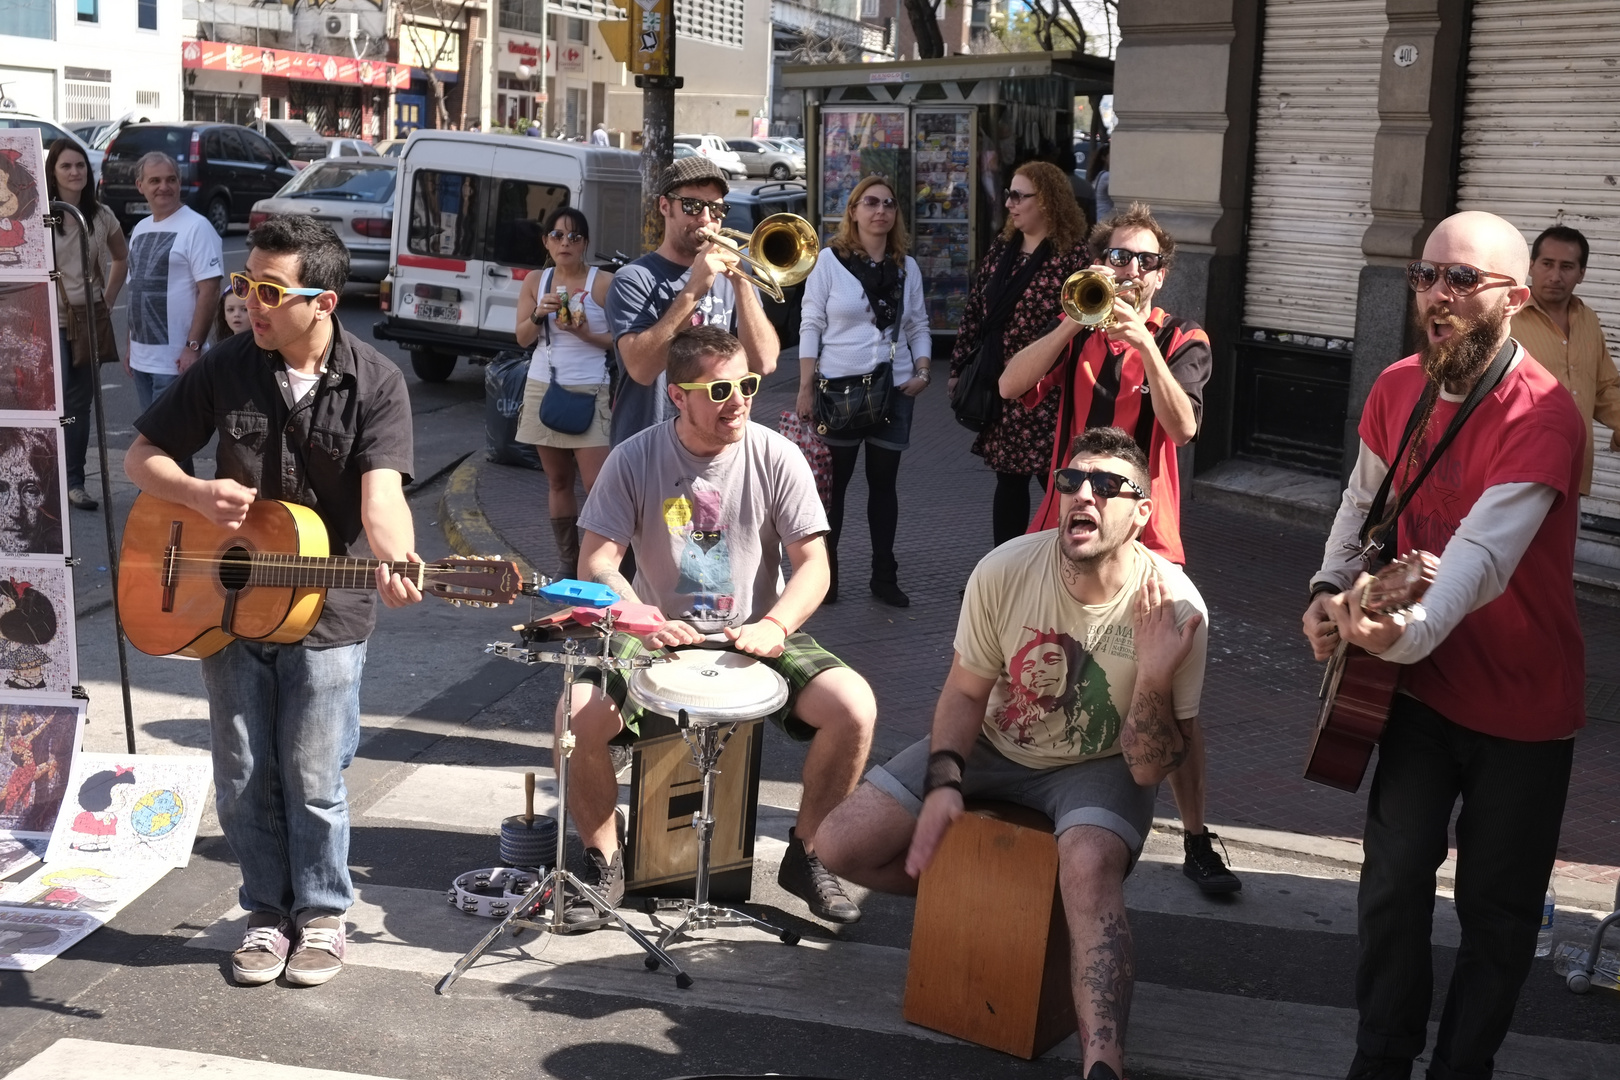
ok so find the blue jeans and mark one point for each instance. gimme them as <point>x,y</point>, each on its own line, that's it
<point>79,393</point>
<point>148,388</point>
<point>286,723</point>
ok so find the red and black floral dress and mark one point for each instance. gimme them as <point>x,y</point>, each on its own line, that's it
<point>1020,439</point>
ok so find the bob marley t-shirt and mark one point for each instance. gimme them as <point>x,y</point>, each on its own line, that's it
<point>1065,671</point>
<point>707,532</point>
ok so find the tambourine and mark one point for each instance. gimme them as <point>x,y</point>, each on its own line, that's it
<point>490,893</point>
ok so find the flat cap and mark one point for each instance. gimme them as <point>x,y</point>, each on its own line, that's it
<point>692,170</point>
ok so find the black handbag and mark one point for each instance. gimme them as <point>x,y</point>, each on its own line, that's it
<point>852,406</point>
<point>976,401</point>
<point>567,412</point>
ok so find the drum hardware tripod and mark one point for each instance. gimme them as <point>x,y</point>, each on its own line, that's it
<point>558,883</point>
<point>707,742</point>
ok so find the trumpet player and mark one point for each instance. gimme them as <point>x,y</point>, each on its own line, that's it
<point>688,280</point>
<point>1132,365</point>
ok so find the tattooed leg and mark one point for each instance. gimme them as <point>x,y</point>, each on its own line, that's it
<point>1092,863</point>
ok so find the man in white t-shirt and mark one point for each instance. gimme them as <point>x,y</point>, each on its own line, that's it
<point>711,502</point>
<point>1078,670</point>
<point>175,265</point>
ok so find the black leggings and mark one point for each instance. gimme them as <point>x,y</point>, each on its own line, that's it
<point>882,500</point>
<point>1009,512</point>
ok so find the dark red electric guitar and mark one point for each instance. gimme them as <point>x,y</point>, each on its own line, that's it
<point>1358,688</point>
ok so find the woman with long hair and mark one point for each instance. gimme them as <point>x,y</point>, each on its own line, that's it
<point>863,309</point>
<point>1015,300</point>
<point>561,314</point>
<point>68,179</point>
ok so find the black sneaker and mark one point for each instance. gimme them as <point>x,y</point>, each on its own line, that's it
<point>606,878</point>
<point>1205,867</point>
<point>803,875</point>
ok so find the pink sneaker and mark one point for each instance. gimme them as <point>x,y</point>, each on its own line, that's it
<point>319,955</point>
<point>264,949</point>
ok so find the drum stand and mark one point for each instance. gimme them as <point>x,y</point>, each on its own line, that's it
<point>557,885</point>
<point>707,742</point>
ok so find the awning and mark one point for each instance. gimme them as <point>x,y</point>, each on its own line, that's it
<point>307,67</point>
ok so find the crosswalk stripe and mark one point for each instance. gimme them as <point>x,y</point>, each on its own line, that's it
<point>86,1057</point>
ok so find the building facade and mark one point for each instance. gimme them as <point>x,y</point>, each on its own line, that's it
<point>82,60</point>
<point>1304,153</point>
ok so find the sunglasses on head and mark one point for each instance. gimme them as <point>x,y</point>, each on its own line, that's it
<point>873,202</point>
<point>560,236</point>
<point>1147,261</point>
<point>693,207</point>
<point>269,294</point>
<point>1461,278</point>
<point>1014,196</point>
<point>1104,485</point>
<point>720,389</point>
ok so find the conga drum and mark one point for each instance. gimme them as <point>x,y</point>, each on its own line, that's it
<point>709,690</point>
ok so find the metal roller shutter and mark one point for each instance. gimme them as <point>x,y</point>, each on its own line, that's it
<point>1541,146</point>
<point>1316,116</point>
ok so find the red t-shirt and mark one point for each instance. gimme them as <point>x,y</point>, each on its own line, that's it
<point>1110,389</point>
<point>1515,668</point>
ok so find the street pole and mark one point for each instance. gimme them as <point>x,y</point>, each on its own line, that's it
<point>486,91</point>
<point>652,58</point>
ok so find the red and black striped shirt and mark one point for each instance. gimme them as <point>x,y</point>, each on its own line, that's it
<point>1107,387</point>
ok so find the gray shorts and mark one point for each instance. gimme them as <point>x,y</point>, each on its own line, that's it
<point>1098,792</point>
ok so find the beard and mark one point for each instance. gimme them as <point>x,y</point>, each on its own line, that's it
<point>1462,358</point>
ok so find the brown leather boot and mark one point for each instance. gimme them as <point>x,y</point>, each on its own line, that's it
<point>566,531</point>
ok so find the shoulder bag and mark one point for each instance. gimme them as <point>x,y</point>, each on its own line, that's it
<point>851,406</point>
<point>565,411</point>
<point>977,398</point>
<point>89,318</point>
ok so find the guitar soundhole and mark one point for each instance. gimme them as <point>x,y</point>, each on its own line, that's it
<point>234,567</point>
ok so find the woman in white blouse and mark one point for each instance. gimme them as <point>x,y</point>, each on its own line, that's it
<point>578,354</point>
<point>863,303</point>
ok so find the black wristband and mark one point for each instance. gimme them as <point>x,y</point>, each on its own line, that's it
<point>945,769</point>
<point>1324,586</point>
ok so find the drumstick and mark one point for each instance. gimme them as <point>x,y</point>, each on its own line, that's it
<point>528,798</point>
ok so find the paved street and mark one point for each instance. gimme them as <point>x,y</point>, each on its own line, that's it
<point>1257,986</point>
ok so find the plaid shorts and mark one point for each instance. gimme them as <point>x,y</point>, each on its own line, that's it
<point>801,660</point>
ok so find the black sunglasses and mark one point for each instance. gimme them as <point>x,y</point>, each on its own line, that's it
<point>1014,196</point>
<point>872,202</point>
<point>1461,278</point>
<point>694,207</point>
<point>571,237</point>
<point>1147,261</point>
<point>1104,485</point>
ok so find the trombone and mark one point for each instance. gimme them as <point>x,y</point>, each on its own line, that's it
<point>1088,297</point>
<point>778,254</point>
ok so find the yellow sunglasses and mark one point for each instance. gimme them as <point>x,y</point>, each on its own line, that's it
<point>720,389</point>
<point>268,293</point>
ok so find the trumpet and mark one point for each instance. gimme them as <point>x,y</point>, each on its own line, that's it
<point>1088,297</point>
<point>778,254</point>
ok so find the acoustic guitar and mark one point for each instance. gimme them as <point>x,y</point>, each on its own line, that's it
<point>188,587</point>
<point>1358,688</point>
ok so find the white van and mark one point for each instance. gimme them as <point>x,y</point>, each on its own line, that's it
<point>467,215</point>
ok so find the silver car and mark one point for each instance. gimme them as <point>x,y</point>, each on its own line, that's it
<point>355,196</point>
<point>764,158</point>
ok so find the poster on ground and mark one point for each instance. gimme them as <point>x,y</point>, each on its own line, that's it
<point>131,808</point>
<point>30,937</point>
<point>92,886</point>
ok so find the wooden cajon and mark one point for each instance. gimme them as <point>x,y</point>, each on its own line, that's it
<point>989,942</point>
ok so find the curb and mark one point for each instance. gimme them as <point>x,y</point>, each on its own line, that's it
<point>1573,892</point>
<point>466,528</point>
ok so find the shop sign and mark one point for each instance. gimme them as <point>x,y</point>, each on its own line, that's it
<point>570,58</point>
<point>307,67</point>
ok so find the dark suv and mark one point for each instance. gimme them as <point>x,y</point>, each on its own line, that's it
<point>224,169</point>
<point>747,210</point>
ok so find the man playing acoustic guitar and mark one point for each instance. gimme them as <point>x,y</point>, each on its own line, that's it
<point>1492,687</point>
<point>307,413</point>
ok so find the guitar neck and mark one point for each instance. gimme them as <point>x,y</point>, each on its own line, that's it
<point>309,572</point>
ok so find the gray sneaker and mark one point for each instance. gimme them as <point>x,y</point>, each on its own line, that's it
<point>803,875</point>
<point>264,949</point>
<point>319,955</point>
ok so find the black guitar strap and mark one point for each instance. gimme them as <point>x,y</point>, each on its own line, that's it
<point>1106,390</point>
<point>1379,533</point>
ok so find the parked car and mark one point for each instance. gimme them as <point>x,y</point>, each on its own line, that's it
<point>224,169</point>
<point>296,140</point>
<point>350,148</point>
<point>391,148</point>
<point>746,209</point>
<point>761,157</point>
<point>467,214</point>
<point>355,196</point>
<point>715,149</point>
<point>49,132</point>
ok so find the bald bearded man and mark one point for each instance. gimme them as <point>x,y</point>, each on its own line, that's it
<point>1492,669</point>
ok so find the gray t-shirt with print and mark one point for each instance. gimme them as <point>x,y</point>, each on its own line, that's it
<point>637,299</point>
<point>708,532</point>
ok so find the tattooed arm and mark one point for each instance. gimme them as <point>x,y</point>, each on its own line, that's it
<point>1154,742</point>
<point>599,557</point>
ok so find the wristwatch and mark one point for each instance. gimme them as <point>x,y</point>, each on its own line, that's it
<point>195,346</point>
<point>536,318</point>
